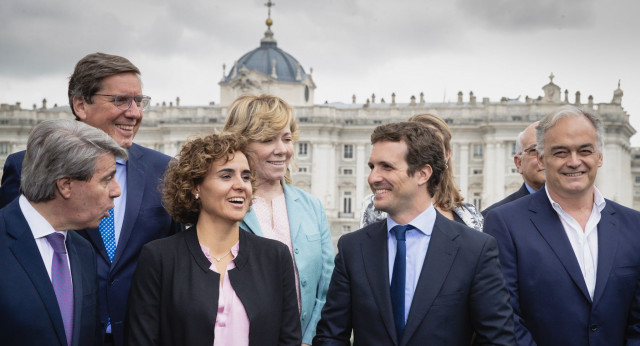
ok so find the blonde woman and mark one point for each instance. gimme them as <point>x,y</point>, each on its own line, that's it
<point>281,211</point>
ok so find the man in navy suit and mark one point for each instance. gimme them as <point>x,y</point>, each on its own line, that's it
<point>105,92</point>
<point>570,257</point>
<point>526,161</point>
<point>49,286</point>
<point>415,278</point>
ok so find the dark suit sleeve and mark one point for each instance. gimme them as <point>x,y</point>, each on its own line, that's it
<point>492,316</point>
<point>143,315</point>
<point>10,188</point>
<point>290,329</point>
<point>494,225</point>
<point>335,327</point>
<point>633,327</point>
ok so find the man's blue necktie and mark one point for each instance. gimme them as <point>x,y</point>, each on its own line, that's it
<point>108,233</point>
<point>398,278</point>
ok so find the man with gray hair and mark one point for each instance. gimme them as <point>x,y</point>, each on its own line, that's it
<point>526,161</point>
<point>49,286</point>
<point>105,92</point>
<point>570,257</point>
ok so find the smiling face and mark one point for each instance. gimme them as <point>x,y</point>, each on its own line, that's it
<point>271,157</point>
<point>571,158</point>
<point>402,196</point>
<point>120,125</point>
<point>91,200</point>
<point>225,193</point>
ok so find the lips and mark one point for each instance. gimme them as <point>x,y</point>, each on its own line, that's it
<point>575,174</point>
<point>236,200</point>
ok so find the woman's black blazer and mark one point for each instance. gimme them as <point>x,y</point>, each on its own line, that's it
<point>174,295</point>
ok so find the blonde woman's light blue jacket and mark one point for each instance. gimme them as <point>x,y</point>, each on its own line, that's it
<point>312,249</point>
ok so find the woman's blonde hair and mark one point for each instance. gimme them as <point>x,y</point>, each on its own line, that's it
<point>448,195</point>
<point>257,118</point>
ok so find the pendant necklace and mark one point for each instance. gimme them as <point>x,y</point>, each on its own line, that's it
<point>220,258</point>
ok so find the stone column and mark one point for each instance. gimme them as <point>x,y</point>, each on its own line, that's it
<point>362,188</point>
<point>323,174</point>
<point>489,174</point>
<point>462,151</point>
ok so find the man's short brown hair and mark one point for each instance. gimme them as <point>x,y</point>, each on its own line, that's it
<point>424,147</point>
<point>89,72</point>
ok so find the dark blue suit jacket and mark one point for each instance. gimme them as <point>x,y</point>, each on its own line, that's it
<point>144,220</point>
<point>460,290</point>
<point>29,312</point>
<point>522,192</point>
<point>548,293</point>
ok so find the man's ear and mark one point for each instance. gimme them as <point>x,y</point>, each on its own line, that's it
<point>424,174</point>
<point>539,158</point>
<point>64,187</point>
<point>79,106</point>
<point>517,160</point>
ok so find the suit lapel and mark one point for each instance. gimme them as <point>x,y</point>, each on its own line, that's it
<point>607,246</point>
<point>293,211</point>
<point>440,255</point>
<point>77,277</point>
<point>548,224</point>
<point>27,254</point>
<point>135,178</point>
<point>375,257</point>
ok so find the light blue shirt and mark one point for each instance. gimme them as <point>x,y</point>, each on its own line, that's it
<point>529,188</point>
<point>120,202</point>
<point>417,245</point>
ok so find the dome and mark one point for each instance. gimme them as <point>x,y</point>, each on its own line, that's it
<point>287,68</point>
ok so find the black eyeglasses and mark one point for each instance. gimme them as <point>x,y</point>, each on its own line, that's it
<point>123,102</point>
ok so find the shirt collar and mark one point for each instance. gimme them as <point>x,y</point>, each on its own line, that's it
<point>529,188</point>
<point>40,227</point>
<point>598,200</point>
<point>423,222</point>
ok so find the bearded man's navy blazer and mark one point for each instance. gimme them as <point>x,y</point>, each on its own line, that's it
<point>548,293</point>
<point>144,220</point>
<point>29,311</point>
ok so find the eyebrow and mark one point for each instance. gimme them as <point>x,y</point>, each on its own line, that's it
<point>582,146</point>
<point>231,170</point>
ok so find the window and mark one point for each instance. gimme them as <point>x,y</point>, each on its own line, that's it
<point>638,179</point>
<point>4,148</point>
<point>303,149</point>
<point>346,202</point>
<point>347,171</point>
<point>348,122</point>
<point>377,122</point>
<point>514,170</point>
<point>346,229</point>
<point>477,151</point>
<point>477,171</point>
<point>477,201</point>
<point>302,170</point>
<point>513,148</point>
<point>347,151</point>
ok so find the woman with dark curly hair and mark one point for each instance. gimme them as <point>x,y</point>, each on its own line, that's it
<point>212,284</point>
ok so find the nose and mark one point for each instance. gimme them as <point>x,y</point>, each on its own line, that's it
<point>115,189</point>
<point>374,177</point>
<point>573,160</point>
<point>279,147</point>
<point>134,111</point>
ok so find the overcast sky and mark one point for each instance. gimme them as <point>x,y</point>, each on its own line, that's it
<point>494,48</point>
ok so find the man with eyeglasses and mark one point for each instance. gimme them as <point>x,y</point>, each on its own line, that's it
<point>527,164</point>
<point>105,92</point>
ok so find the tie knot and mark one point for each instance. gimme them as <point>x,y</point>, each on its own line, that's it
<point>56,240</point>
<point>400,231</point>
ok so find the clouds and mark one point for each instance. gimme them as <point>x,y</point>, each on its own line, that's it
<point>529,16</point>
<point>494,47</point>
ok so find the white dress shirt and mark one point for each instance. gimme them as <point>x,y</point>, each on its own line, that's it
<point>584,242</point>
<point>41,228</point>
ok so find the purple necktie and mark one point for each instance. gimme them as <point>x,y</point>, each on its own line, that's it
<point>61,279</point>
